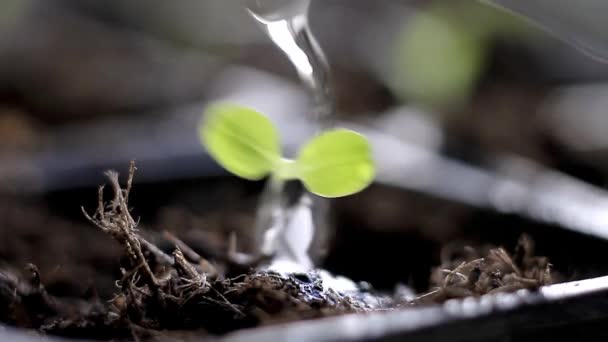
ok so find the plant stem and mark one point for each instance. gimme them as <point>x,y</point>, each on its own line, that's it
<point>270,215</point>
<point>286,169</point>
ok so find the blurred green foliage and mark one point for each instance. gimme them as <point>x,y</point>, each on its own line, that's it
<point>441,52</point>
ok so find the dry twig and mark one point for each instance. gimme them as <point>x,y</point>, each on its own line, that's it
<point>114,218</point>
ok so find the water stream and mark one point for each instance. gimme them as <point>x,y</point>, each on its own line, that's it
<point>292,35</point>
<point>298,233</point>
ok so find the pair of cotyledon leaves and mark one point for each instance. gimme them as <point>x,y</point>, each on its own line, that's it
<point>333,164</point>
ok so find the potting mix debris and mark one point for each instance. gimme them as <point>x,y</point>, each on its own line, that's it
<point>160,293</point>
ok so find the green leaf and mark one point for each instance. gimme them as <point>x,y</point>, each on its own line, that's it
<point>242,140</point>
<point>336,163</point>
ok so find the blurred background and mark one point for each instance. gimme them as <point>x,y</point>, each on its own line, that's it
<point>484,126</point>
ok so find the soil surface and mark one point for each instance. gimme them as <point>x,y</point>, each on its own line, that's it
<point>164,288</point>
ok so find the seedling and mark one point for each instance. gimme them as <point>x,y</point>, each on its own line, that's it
<point>335,163</point>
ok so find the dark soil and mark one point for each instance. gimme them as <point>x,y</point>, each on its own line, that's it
<point>163,287</point>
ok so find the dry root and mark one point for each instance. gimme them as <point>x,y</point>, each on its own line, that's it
<point>149,298</point>
<point>498,271</point>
